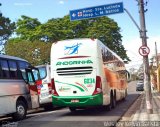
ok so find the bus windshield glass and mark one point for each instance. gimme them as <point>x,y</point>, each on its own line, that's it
<point>43,72</point>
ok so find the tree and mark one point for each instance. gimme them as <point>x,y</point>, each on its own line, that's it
<point>102,28</point>
<point>36,52</point>
<point>50,31</point>
<point>6,29</point>
<point>133,73</point>
<point>27,28</point>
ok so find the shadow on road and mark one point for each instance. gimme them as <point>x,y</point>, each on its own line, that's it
<point>64,116</point>
<point>121,107</point>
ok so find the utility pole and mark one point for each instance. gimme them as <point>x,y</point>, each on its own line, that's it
<point>147,82</point>
<point>156,54</point>
<point>157,64</point>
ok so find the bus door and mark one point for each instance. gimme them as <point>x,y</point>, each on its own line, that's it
<point>32,76</point>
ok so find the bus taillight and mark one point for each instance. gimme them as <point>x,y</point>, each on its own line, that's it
<point>54,92</point>
<point>98,88</point>
<point>50,88</point>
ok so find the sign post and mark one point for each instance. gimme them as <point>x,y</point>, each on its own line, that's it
<point>147,82</point>
<point>96,11</point>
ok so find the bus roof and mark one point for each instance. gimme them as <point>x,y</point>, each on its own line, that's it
<point>96,40</point>
<point>12,57</point>
<point>43,65</point>
<point>103,45</point>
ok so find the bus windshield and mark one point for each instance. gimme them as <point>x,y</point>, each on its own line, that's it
<point>43,72</point>
<point>36,74</point>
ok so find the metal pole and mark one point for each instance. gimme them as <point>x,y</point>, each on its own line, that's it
<point>147,82</point>
<point>157,64</point>
<point>156,54</point>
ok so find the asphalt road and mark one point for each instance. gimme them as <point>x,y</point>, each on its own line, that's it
<point>93,117</point>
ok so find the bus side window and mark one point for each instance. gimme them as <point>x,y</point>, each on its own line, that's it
<point>13,69</point>
<point>5,69</point>
<point>1,76</point>
<point>21,71</point>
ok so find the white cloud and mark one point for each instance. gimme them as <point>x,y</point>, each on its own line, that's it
<point>132,47</point>
<point>61,2</point>
<point>23,4</point>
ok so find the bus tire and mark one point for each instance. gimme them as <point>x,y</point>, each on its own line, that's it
<point>113,101</point>
<point>125,95</point>
<point>72,109</point>
<point>21,111</point>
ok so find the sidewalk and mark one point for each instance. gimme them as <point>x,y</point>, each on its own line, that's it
<point>137,115</point>
<point>142,115</point>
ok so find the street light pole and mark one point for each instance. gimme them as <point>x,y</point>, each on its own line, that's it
<point>132,19</point>
<point>145,59</point>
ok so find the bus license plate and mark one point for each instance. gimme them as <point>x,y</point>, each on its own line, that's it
<point>74,100</point>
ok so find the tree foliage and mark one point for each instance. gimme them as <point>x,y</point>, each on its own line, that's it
<point>36,52</point>
<point>27,28</point>
<point>102,28</point>
<point>6,29</point>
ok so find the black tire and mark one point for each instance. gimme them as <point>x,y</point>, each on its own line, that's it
<point>125,95</point>
<point>21,111</point>
<point>113,102</point>
<point>72,109</point>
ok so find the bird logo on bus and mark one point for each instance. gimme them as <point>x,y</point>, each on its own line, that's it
<point>69,50</point>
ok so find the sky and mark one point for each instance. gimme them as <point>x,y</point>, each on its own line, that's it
<point>47,9</point>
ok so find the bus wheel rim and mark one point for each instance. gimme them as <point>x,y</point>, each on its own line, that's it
<point>20,109</point>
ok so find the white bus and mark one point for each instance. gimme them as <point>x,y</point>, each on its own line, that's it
<point>16,95</point>
<point>44,87</point>
<point>85,72</point>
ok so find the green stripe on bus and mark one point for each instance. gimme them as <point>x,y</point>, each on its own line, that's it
<point>81,89</point>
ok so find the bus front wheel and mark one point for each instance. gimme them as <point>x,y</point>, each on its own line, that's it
<point>21,111</point>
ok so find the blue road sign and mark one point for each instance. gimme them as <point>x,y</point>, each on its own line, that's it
<point>97,11</point>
